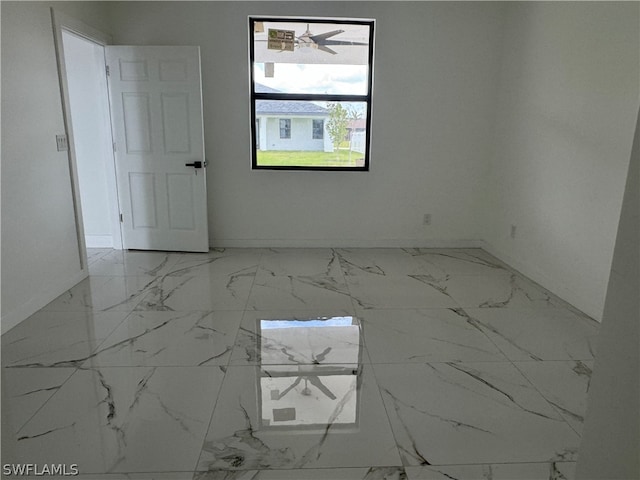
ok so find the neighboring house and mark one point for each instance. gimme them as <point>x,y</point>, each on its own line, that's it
<point>358,125</point>
<point>291,125</point>
<point>356,135</point>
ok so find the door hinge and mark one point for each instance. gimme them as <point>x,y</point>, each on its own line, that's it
<point>115,149</point>
<point>121,218</point>
<point>108,71</point>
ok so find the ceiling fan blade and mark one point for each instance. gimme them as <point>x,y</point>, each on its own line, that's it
<point>314,380</point>
<point>326,49</point>
<point>321,356</point>
<point>323,36</point>
<point>290,387</point>
<point>340,42</point>
<point>289,355</point>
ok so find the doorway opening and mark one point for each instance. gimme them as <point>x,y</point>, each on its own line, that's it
<point>89,120</point>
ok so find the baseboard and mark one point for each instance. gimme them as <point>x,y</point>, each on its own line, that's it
<point>585,305</point>
<point>98,241</point>
<point>24,311</point>
<point>342,243</point>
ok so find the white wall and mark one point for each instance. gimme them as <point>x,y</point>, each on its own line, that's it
<point>611,436</point>
<point>40,257</point>
<point>569,95</point>
<point>433,111</point>
<point>84,62</point>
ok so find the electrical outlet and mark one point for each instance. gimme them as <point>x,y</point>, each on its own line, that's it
<point>512,233</point>
<point>426,220</point>
<point>61,143</point>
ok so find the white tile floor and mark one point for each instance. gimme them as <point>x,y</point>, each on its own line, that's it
<point>299,364</point>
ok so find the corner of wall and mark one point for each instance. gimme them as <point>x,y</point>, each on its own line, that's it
<point>38,301</point>
<point>562,139</point>
<point>587,305</point>
<point>611,435</point>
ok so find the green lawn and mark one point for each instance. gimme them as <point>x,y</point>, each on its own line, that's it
<point>341,158</point>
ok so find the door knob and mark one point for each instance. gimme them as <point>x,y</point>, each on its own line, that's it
<point>197,164</point>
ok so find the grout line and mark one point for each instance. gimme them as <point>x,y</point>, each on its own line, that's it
<point>545,397</point>
<point>75,370</point>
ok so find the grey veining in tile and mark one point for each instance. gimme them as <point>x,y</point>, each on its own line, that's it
<point>170,339</point>
<point>123,420</point>
<point>462,413</point>
<point>402,291</point>
<point>326,420</point>
<point>133,263</point>
<point>442,262</point>
<point>103,293</point>
<point>564,385</point>
<point>373,473</point>
<point>299,292</point>
<point>28,390</point>
<point>377,262</point>
<point>494,289</point>
<point>222,262</point>
<point>307,262</point>
<point>199,293</point>
<point>57,338</point>
<point>299,364</point>
<point>437,263</point>
<point>537,333</point>
<point>429,335</point>
<point>513,471</point>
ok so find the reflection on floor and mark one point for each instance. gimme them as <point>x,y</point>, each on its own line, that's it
<point>299,364</point>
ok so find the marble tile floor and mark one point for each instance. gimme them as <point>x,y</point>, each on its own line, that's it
<point>318,364</point>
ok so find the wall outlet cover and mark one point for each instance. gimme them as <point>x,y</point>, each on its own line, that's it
<point>61,143</point>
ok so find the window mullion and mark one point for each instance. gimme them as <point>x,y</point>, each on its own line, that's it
<point>310,97</point>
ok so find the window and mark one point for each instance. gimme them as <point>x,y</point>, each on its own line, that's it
<point>318,130</point>
<point>311,82</point>
<point>285,128</point>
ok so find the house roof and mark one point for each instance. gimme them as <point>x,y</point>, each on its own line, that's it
<point>359,124</point>
<point>286,107</point>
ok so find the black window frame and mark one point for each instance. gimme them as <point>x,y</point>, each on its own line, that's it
<point>287,128</point>
<point>320,129</point>
<point>367,98</point>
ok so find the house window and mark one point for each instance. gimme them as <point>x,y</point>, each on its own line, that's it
<point>285,128</point>
<point>317,74</point>
<point>318,129</point>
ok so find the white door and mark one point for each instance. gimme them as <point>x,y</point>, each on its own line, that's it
<point>156,103</point>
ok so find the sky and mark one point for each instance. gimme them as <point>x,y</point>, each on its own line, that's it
<point>315,78</point>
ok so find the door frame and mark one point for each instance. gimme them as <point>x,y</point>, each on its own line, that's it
<point>63,22</point>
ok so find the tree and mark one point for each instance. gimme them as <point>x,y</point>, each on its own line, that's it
<point>337,124</point>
